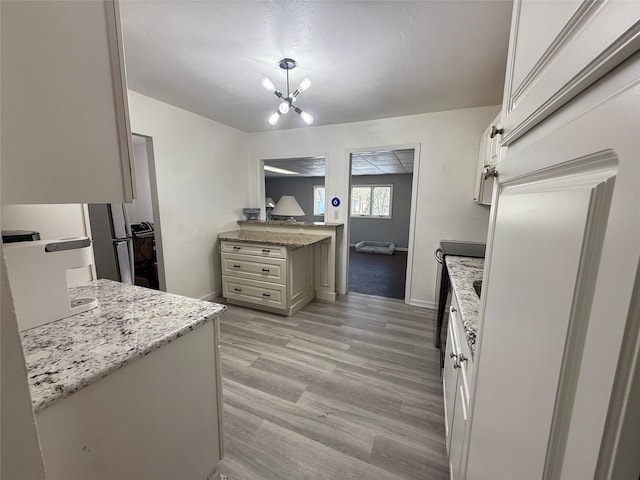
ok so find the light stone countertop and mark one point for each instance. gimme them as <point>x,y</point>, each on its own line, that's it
<point>312,225</point>
<point>129,322</point>
<point>272,238</point>
<point>463,271</point>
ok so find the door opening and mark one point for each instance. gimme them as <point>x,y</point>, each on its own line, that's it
<point>380,222</point>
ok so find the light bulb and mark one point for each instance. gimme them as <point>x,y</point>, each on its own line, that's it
<point>306,83</point>
<point>273,119</point>
<point>268,84</point>
<point>283,108</point>
<point>307,118</point>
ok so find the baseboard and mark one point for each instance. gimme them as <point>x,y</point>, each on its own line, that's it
<point>210,296</point>
<point>328,296</point>
<point>422,303</point>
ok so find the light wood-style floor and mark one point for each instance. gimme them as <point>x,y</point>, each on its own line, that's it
<point>345,390</point>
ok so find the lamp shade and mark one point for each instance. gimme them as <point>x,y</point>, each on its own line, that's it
<point>288,207</point>
<point>269,203</point>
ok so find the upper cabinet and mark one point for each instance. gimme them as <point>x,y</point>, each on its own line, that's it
<point>488,157</point>
<point>66,136</point>
<point>557,50</point>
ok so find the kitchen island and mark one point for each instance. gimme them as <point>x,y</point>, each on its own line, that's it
<point>131,389</point>
<point>279,266</point>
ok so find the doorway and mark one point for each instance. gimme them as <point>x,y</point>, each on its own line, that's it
<point>381,209</point>
<point>144,218</point>
<point>301,178</point>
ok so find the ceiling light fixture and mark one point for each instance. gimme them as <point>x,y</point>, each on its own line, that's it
<point>287,102</point>
<point>269,168</point>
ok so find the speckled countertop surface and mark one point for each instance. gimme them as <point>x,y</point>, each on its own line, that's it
<point>463,271</point>
<point>129,322</point>
<point>266,223</point>
<point>272,238</point>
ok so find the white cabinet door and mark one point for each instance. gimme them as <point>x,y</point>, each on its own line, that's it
<point>65,127</point>
<point>559,48</point>
<point>488,157</point>
<point>561,261</point>
<point>450,380</point>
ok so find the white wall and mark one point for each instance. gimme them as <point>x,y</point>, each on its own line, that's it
<point>449,144</point>
<point>203,180</point>
<point>52,221</point>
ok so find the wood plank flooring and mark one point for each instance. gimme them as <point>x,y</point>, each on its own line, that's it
<point>344,390</point>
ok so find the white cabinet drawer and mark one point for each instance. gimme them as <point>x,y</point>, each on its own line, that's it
<point>272,251</point>
<point>259,293</point>
<point>255,268</point>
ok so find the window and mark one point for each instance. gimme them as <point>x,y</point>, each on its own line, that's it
<point>318,200</point>
<point>373,201</point>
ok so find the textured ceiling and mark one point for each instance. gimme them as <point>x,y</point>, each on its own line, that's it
<point>362,163</point>
<point>366,59</point>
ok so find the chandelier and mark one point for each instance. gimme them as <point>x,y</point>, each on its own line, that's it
<point>288,100</point>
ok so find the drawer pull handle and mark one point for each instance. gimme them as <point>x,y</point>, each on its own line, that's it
<point>235,247</point>
<point>236,266</point>
<point>266,294</point>
<point>238,289</point>
<point>266,270</point>
<point>266,250</point>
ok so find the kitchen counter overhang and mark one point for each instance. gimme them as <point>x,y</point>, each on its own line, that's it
<point>64,356</point>
<point>463,271</point>
<point>285,239</point>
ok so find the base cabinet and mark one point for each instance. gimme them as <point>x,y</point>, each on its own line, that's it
<point>456,377</point>
<point>273,278</point>
<point>159,418</point>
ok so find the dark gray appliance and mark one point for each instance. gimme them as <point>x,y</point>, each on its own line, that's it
<point>112,241</point>
<point>455,248</point>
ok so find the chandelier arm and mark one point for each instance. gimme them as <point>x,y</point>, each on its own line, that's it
<point>278,94</point>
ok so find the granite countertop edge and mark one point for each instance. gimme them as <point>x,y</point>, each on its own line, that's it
<point>272,238</point>
<point>74,364</point>
<point>311,225</point>
<point>463,271</point>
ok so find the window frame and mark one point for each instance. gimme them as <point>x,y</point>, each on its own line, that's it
<point>371,187</point>
<point>315,203</point>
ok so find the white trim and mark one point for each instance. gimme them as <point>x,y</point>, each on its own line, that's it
<point>422,303</point>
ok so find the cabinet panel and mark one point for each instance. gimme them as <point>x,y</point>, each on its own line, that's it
<point>254,249</point>
<point>266,270</point>
<point>449,382</point>
<point>547,66</point>
<point>259,293</point>
<point>557,287</point>
<point>66,136</point>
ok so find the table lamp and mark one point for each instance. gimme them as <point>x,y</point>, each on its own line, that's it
<point>288,208</point>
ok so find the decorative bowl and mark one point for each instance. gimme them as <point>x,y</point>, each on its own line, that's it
<point>251,213</point>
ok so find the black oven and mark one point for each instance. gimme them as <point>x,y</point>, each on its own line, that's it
<point>454,248</point>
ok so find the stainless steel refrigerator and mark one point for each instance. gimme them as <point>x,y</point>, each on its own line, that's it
<point>112,241</point>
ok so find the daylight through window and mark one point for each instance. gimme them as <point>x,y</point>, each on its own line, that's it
<point>318,200</point>
<point>372,201</point>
